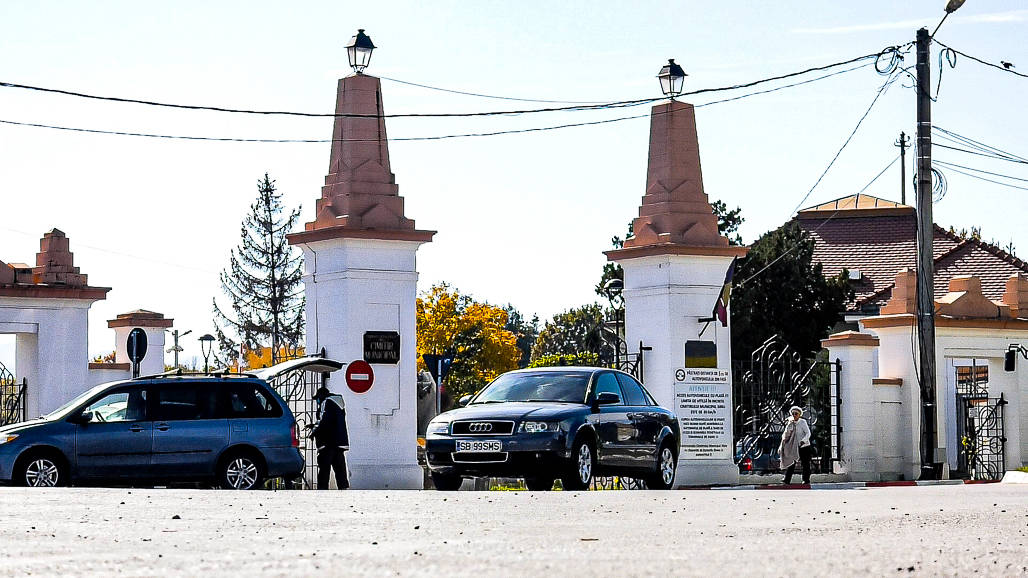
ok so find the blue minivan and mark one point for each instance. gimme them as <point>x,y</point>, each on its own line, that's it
<point>234,430</point>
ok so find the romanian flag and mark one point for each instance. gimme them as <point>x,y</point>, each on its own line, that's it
<point>721,306</point>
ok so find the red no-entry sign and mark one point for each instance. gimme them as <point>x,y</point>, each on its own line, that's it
<point>359,376</point>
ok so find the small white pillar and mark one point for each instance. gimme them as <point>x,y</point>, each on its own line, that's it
<point>154,324</point>
<point>857,410</point>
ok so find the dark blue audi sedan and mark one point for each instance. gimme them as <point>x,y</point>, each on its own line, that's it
<point>570,423</point>
<point>233,430</point>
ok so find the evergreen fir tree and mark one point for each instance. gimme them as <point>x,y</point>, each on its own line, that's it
<point>262,282</point>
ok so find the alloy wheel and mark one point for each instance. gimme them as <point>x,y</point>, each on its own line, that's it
<point>42,473</point>
<point>241,473</point>
<point>667,466</point>
<point>585,464</point>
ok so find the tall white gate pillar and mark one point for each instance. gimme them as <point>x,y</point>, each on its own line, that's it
<point>360,277</point>
<point>675,270</point>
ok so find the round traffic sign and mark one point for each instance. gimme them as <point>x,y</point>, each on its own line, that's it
<point>359,376</point>
<point>136,346</point>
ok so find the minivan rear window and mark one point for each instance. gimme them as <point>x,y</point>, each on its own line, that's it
<point>248,400</point>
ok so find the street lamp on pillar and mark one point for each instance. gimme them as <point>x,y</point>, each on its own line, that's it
<point>672,79</point>
<point>206,345</point>
<point>358,51</point>
<point>614,289</point>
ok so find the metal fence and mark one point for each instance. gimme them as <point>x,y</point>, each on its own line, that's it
<point>12,397</point>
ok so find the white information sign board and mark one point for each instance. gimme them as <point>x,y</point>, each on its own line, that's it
<point>703,403</point>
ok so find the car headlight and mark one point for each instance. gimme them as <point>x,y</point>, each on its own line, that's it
<point>8,438</point>
<point>540,426</point>
<point>438,427</point>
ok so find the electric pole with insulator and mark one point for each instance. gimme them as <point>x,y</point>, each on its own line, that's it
<point>903,142</point>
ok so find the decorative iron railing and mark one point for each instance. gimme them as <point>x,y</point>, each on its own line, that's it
<point>12,397</point>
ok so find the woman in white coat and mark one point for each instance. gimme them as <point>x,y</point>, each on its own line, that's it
<point>795,445</point>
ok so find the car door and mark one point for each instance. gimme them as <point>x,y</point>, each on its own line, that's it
<point>116,441</point>
<point>188,433</point>
<point>614,430</point>
<point>645,418</point>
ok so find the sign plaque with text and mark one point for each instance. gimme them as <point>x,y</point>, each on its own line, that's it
<point>382,347</point>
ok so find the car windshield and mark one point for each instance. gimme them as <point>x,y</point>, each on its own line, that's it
<point>553,386</point>
<point>78,400</point>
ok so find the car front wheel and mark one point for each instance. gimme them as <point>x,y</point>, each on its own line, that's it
<point>42,470</point>
<point>579,470</point>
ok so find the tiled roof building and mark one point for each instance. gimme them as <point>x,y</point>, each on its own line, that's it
<point>874,239</point>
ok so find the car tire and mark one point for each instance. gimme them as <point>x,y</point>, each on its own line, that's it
<point>664,477</point>
<point>539,484</point>
<point>578,474</point>
<point>446,482</point>
<point>240,471</point>
<point>42,469</point>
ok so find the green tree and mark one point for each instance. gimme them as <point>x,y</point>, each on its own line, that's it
<point>262,282</point>
<point>728,223</point>
<point>779,290</point>
<point>474,334</point>
<point>525,331</point>
<point>575,331</point>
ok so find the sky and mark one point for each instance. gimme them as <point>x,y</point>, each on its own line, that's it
<point>522,218</point>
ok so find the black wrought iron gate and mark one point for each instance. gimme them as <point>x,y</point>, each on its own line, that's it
<point>765,386</point>
<point>297,389</point>
<point>12,397</point>
<point>980,432</point>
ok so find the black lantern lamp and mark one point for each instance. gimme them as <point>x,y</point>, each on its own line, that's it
<point>672,79</point>
<point>206,345</point>
<point>358,51</point>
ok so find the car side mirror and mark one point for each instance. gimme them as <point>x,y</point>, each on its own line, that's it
<point>82,418</point>
<point>464,400</point>
<point>607,398</point>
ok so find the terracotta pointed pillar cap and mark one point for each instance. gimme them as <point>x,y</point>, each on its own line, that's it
<point>675,217</point>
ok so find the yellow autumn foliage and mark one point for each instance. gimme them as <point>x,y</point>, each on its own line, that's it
<point>474,333</point>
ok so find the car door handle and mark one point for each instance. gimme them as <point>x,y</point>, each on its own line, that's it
<point>633,416</point>
<point>163,426</point>
<point>136,428</point>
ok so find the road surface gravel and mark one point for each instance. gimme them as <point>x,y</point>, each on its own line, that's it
<point>937,531</point>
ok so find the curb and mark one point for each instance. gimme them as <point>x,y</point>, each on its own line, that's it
<point>844,485</point>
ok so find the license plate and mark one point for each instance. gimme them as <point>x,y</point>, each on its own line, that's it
<point>479,446</point>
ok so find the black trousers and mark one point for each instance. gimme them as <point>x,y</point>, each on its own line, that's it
<point>332,458</point>
<point>805,453</point>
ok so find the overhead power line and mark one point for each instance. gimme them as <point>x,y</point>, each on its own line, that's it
<point>968,141</point>
<point>421,138</point>
<point>452,91</point>
<point>948,164</point>
<point>981,178</point>
<point>572,108</point>
<point>982,154</point>
<point>818,228</point>
<point>980,61</point>
<point>881,90</point>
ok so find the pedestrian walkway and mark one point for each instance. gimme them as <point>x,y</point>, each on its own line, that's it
<point>842,485</point>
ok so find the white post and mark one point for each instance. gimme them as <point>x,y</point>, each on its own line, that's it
<point>857,440</point>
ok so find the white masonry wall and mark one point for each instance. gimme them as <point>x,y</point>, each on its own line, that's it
<point>51,348</point>
<point>354,286</point>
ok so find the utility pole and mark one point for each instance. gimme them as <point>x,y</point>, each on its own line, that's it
<point>903,143</point>
<point>176,348</point>
<point>925,265</point>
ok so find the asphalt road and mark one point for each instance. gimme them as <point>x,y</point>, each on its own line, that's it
<point>945,530</point>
